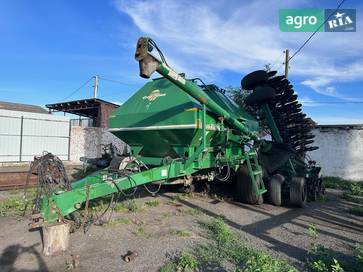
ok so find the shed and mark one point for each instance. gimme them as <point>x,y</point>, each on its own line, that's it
<point>97,109</point>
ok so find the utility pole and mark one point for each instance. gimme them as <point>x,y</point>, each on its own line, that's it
<point>286,62</point>
<point>95,85</point>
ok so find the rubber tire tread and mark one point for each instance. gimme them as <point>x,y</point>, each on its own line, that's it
<point>261,95</point>
<point>252,80</point>
<point>274,189</point>
<point>297,185</point>
<point>244,189</point>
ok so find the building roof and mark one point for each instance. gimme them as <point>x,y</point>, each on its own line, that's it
<point>84,107</point>
<point>341,126</point>
<point>21,107</point>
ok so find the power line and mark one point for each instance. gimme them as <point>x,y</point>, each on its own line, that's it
<point>312,35</point>
<point>76,90</point>
<point>117,81</point>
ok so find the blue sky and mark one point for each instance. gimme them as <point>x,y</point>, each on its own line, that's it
<point>50,48</point>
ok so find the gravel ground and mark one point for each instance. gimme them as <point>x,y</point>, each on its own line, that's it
<point>157,233</point>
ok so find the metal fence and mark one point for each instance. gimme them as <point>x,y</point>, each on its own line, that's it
<point>24,135</point>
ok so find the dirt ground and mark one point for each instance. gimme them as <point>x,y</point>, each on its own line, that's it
<point>157,233</point>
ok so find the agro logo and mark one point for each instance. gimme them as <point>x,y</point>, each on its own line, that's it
<point>311,20</point>
<point>153,95</point>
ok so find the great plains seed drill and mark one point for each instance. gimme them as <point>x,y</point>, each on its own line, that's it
<point>182,131</point>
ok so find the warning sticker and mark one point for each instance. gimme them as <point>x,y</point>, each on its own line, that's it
<point>176,76</point>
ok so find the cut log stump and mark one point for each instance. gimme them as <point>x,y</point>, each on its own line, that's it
<point>56,239</point>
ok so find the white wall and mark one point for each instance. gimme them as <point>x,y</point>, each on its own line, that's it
<point>340,151</point>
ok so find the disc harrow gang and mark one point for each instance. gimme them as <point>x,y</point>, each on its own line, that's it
<point>295,128</point>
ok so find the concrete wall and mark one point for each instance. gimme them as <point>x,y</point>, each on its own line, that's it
<point>87,142</point>
<point>340,151</point>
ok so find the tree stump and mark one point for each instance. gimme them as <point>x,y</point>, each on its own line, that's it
<point>56,239</point>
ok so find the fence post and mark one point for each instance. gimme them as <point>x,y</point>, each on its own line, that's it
<point>21,138</point>
<point>69,140</point>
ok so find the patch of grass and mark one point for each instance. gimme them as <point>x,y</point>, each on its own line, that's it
<point>166,215</point>
<point>226,248</point>
<point>152,203</point>
<point>191,211</point>
<point>184,263</point>
<point>352,198</point>
<point>324,198</point>
<point>114,223</point>
<point>12,206</point>
<point>127,205</point>
<point>16,205</point>
<point>139,231</point>
<point>357,211</point>
<point>358,252</point>
<point>322,259</point>
<point>354,188</point>
<point>181,233</point>
<point>181,197</point>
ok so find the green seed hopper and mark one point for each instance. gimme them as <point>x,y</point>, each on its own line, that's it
<point>182,131</point>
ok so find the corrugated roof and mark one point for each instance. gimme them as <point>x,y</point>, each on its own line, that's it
<point>21,107</point>
<point>84,107</point>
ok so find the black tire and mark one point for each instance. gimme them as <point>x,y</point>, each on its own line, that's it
<point>260,95</point>
<point>244,188</point>
<point>252,80</point>
<point>298,191</point>
<point>271,73</point>
<point>274,189</point>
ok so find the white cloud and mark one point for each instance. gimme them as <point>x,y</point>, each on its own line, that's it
<point>322,86</point>
<point>204,40</point>
<point>309,102</point>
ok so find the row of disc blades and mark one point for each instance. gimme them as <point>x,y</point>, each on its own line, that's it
<point>295,128</point>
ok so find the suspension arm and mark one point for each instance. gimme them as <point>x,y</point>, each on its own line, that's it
<point>103,183</point>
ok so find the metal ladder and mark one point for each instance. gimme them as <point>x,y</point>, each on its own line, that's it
<point>255,171</point>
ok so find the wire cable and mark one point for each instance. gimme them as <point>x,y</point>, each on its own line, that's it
<point>76,90</point>
<point>312,35</point>
<point>116,81</point>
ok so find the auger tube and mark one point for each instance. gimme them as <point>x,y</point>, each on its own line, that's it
<point>149,64</point>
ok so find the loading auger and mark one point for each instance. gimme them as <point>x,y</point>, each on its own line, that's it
<point>182,132</point>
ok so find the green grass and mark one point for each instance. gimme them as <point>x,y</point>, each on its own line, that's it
<point>15,205</point>
<point>114,223</point>
<point>152,203</point>
<point>322,259</point>
<point>352,198</point>
<point>181,233</point>
<point>354,188</point>
<point>181,197</point>
<point>139,231</point>
<point>184,263</point>
<point>225,247</point>
<point>190,211</point>
<point>358,252</point>
<point>357,211</point>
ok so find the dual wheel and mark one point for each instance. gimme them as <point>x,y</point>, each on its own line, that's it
<point>245,191</point>
<point>297,190</point>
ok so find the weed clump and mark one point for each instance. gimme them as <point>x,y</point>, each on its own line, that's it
<point>226,247</point>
